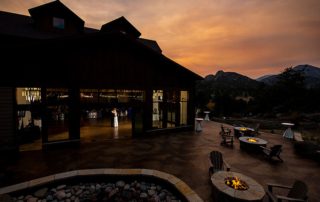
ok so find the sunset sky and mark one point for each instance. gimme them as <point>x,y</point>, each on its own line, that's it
<point>251,37</point>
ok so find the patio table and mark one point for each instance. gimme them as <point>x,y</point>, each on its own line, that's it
<point>288,133</point>
<point>198,124</point>
<point>206,118</point>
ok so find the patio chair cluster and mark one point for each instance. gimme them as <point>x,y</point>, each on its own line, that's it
<point>298,191</point>
<point>227,139</point>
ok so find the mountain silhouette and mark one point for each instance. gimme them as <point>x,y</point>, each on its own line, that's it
<point>310,73</point>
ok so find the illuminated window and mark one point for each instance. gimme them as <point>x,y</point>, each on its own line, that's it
<point>58,23</point>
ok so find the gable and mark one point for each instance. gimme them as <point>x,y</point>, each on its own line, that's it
<point>56,17</point>
<point>121,25</point>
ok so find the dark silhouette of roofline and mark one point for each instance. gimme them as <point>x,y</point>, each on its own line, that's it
<point>34,10</point>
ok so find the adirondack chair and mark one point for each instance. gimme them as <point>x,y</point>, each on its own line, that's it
<point>297,192</point>
<point>217,163</point>
<point>256,130</point>
<point>227,137</point>
<point>273,151</point>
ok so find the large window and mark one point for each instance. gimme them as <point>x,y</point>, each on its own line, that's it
<point>183,107</point>
<point>28,115</point>
<point>57,113</point>
<point>157,109</point>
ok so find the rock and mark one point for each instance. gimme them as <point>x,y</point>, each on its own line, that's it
<point>143,195</point>
<point>27,197</point>
<point>159,188</point>
<point>32,199</point>
<point>43,200</point>
<point>108,189</point>
<point>68,200</point>
<point>143,187</point>
<point>151,192</point>
<point>126,187</point>
<point>68,195</point>
<point>155,198</point>
<point>41,192</point>
<point>20,197</point>
<point>49,198</point>
<point>126,194</point>
<point>98,186</point>
<point>61,187</point>
<point>92,188</point>
<point>162,196</point>
<point>60,194</point>
<point>120,184</point>
<point>79,192</point>
<point>112,193</point>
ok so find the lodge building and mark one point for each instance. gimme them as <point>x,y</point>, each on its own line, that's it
<point>59,78</point>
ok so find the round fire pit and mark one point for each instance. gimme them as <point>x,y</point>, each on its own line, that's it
<point>245,188</point>
<point>252,143</point>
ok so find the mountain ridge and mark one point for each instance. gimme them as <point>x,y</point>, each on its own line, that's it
<point>311,74</point>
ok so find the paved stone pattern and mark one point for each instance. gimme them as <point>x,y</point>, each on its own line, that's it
<point>185,155</point>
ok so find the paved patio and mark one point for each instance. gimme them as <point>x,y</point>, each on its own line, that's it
<point>184,155</point>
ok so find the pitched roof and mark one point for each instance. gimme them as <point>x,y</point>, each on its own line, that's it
<point>13,24</point>
<point>55,5</point>
<point>151,44</point>
<point>121,25</point>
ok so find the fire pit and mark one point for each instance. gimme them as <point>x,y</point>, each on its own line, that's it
<point>252,143</point>
<point>233,186</point>
<point>236,183</point>
<point>252,140</point>
<point>103,184</point>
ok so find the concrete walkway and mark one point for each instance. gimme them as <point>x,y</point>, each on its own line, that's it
<point>184,155</point>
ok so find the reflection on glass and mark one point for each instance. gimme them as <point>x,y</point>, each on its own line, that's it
<point>183,107</point>
<point>157,112</point>
<point>29,122</point>
<point>57,114</point>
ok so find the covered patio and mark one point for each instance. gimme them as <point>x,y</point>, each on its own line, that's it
<point>184,154</point>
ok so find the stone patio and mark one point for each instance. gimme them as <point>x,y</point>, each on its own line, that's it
<point>185,155</point>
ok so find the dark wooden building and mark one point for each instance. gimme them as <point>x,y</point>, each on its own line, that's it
<point>54,66</point>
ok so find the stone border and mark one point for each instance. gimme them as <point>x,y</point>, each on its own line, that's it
<point>181,186</point>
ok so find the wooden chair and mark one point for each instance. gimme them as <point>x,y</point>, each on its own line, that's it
<point>297,192</point>
<point>217,163</point>
<point>273,151</point>
<point>256,130</point>
<point>227,137</point>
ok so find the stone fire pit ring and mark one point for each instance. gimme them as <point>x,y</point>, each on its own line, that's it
<point>180,187</point>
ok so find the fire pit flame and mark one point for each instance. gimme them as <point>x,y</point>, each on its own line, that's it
<point>252,140</point>
<point>236,183</point>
